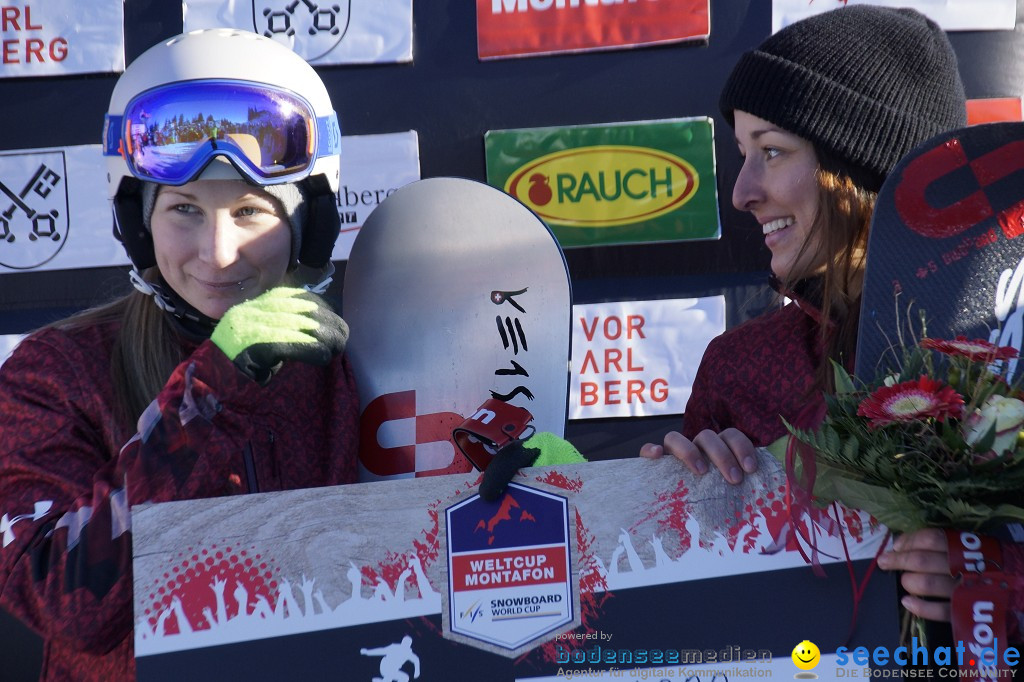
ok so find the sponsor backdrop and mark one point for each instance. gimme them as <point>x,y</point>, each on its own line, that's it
<point>952,15</point>
<point>341,32</point>
<point>7,344</point>
<point>615,184</point>
<point>476,90</point>
<point>56,210</point>
<point>519,28</point>
<point>61,37</point>
<point>637,357</point>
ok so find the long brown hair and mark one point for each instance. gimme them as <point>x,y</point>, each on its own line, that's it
<point>146,351</point>
<point>842,223</point>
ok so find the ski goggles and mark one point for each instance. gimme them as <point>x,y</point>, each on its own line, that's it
<point>169,134</point>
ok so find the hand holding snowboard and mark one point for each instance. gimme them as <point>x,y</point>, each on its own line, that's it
<point>539,450</point>
<point>281,324</point>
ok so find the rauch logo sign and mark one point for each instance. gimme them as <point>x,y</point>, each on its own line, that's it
<point>605,185</point>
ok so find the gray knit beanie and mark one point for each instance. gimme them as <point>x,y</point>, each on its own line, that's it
<point>865,84</point>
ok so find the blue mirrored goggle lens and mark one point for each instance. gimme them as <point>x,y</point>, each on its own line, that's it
<point>170,134</point>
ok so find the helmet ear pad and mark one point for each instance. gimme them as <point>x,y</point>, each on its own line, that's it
<point>323,224</point>
<point>129,227</point>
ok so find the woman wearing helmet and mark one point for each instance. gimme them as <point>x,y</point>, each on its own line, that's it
<point>222,151</point>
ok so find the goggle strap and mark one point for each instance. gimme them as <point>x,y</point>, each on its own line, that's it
<point>112,135</point>
<point>328,136</point>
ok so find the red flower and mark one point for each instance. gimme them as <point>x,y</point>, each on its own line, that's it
<point>976,350</point>
<point>911,401</point>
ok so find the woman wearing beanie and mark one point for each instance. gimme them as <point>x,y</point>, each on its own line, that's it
<point>822,111</point>
<point>222,374</point>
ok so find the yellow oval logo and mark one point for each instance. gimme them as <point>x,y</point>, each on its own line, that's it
<point>605,185</point>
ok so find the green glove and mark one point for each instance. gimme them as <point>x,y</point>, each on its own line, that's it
<point>541,449</point>
<point>281,324</point>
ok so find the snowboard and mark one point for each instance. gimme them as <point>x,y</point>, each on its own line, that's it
<point>945,259</point>
<point>947,246</point>
<point>455,294</point>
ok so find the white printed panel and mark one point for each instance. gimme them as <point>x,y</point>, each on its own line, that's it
<point>639,358</point>
<point>54,213</point>
<point>336,32</point>
<point>951,15</point>
<point>666,526</point>
<point>7,344</point>
<point>61,37</point>
<point>372,168</point>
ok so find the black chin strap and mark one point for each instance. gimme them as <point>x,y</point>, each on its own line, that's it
<point>177,308</point>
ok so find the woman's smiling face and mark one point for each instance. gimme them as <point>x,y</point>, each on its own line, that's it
<point>220,242</point>
<point>778,185</point>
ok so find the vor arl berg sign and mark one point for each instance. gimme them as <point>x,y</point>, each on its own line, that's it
<point>612,184</point>
<point>639,358</point>
<point>60,37</point>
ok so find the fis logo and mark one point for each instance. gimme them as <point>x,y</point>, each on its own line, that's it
<point>473,612</point>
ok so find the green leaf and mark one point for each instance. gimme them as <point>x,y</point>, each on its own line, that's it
<point>1008,511</point>
<point>826,482</point>
<point>961,514</point>
<point>888,506</point>
<point>844,384</point>
<point>833,445</point>
<point>913,367</point>
<point>851,449</point>
<point>778,448</point>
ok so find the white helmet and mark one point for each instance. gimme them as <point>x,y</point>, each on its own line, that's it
<point>216,97</point>
<point>215,55</point>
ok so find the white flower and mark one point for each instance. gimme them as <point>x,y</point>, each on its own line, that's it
<point>1008,416</point>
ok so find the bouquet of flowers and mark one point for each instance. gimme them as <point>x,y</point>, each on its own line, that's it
<point>940,442</point>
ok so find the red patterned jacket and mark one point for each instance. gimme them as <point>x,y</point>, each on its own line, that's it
<point>763,369</point>
<point>757,371</point>
<point>69,472</point>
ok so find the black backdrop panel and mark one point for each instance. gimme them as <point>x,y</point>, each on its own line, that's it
<point>451,99</point>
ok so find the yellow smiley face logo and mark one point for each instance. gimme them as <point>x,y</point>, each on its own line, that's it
<point>806,655</point>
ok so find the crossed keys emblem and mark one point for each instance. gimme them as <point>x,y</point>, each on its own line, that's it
<point>311,29</point>
<point>7,524</point>
<point>33,208</point>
